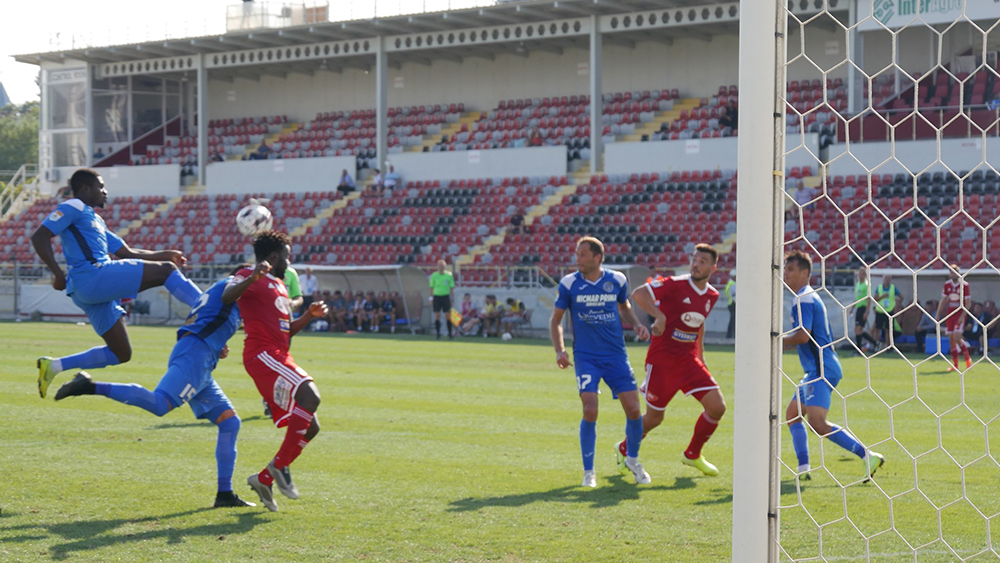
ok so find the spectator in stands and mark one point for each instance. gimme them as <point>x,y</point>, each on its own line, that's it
<point>378,185</point>
<point>369,313</point>
<point>350,311</point>
<point>517,222</point>
<point>392,180</point>
<point>791,225</point>
<point>471,317</point>
<point>973,330</point>
<point>98,155</point>
<point>515,314</point>
<point>730,119</point>
<point>535,138</point>
<point>387,311</point>
<point>310,289</point>
<point>993,328</point>
<point>803,195</point>
<point>492,314</point>
<point>261,153</point>
<point>338,311</point>
<point>346,184</point>
<point>926,326</point>
<point>217,157</point>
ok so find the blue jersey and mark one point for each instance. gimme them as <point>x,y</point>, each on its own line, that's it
<point>212,320</point>
<point>593,308</point>
<point>809,312</point>
<point>86,240</point>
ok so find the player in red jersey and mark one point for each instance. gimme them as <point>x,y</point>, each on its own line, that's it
<point>956,301</point>
<point>288,390</point>
<point>675,361</point>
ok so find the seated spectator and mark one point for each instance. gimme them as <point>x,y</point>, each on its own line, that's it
<point>217,157</point>
<point>346,184</point>
<point>973,330</point>
<point>261,153</point>
<point>338,311</point>
<point>517,222</point>
<point>926,325</point>
<point>514,315</point>
<point>471,318</point>
<point>392,179</point>
<point>351,311</point>
<point>535,138</point>
<point>993,327</point>
<point>377,183</point>
<point>731,117</point>
<point>98,155</point>
<point>387,311</point>
<point>493,312</point>
<point>803,195</point>
<point>369,315</point>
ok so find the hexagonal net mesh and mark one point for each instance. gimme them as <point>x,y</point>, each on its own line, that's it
<point>891,154</point>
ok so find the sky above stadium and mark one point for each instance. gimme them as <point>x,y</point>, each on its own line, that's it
<point>33,27</point>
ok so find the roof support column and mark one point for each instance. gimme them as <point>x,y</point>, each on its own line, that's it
<point>596,98</point>
<point>381,105</point>
<point>89,116</point>
<point>202,117</point>
<point>856,54</point>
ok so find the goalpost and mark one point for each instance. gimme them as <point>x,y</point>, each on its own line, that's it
<point>936,499</point>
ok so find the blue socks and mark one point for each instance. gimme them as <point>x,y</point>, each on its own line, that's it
<point>135,395</point>
<point>800,441</point>
<point>846,440</point>
<point>182,288</point>
<point>588,443</point>
<point>225,452</point>
<point>96,357</point>
<point>633,435</point>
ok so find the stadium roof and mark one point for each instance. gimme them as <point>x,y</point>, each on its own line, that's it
<point>709,19</point>
<point>4,98</point>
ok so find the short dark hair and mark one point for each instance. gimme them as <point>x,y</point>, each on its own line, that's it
<point>82,178</point>
<point>268,242</point>
<point>800,259</point>
<point>707,249</point>
<point>595,244</point>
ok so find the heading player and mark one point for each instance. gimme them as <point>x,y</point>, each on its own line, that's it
<point>812,337</point>
<point>675,361</point>
<point>956,302</point>
<point>201,343</point>
<point>598,302</point>
<point>290,393</point>
<point>95,282</point>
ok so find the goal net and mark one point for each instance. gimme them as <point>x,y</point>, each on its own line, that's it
<point>903,97</point>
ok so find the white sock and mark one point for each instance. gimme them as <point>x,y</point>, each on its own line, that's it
<point>57,365</point>
<point>589,472</point>
<point>802,468</point>
<point>632,460</point>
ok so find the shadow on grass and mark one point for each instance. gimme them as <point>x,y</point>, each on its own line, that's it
<point>171,425</point>
<point>88,535</point>
<point>620,491</point>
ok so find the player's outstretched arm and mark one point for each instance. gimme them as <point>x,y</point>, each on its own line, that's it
<point>175,256</point>
<point>643,297</point>
<point>556,335</point>
<point>41,239</point>
<point>234,291</point>
<point>316,310</point>
<point>628,314</point>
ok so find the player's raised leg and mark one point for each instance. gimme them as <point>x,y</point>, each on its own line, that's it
<point>588,436</point>
<point>715,407</point>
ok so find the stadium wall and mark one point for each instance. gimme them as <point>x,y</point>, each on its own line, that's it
<point>913,156</point>
<point>696,154</point>
<point>136,181</point>
<point>494,163</point>
<point>284,175</point>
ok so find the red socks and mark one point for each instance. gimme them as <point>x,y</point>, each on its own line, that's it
<point>295,441</point>
<point>703,430</point>
<point>623,445</point>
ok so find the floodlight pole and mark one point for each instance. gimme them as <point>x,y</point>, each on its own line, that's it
<point>596,94</point>
<point>761,125</point>
<point>202,79</point>
<point>381,105</point>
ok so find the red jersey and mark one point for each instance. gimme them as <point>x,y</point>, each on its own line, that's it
<point>266,312</point>
<point>686,308</point>
<point>954,294</point>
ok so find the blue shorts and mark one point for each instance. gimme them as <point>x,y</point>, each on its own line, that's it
<point>98,291</point>
<point>616,372</point>
<point>189,379</point>
<point>814,391</point>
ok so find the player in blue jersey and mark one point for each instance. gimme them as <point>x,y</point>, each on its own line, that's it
<point>95,281</point>
<point>597,300</point>
<point>812,336</point>
<point>201,343</point>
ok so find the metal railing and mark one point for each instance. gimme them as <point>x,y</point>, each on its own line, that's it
<point>20,191</point>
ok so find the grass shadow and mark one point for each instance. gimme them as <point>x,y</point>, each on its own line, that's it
<point>620,491</point>
<point>171,425</point>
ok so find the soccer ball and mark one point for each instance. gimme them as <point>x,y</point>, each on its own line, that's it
<point>506,336</point>
<point>254,219</point>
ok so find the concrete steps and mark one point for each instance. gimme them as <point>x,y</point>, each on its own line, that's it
<point>324,213</point>
<point>137,224</point>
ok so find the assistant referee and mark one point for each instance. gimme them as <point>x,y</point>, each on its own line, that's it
<point>442,285</point>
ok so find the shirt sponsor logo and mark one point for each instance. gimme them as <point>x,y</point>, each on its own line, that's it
<point>693,320</point>
<point>682,336</point>
<point>687,301</point>
<point>609,287</point>
<point>596,300</point>
<point>283,325</point>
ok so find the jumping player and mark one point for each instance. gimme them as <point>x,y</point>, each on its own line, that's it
<point>290,393</point>
<point>597,300</point>
<point>956,301</point>
<point>201,343</point>
<point>675,361</point>
<point>95,282</point>
<point>812,336</point>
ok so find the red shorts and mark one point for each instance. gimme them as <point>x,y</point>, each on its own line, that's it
<point>665,377</point>
<point>954,322</point>
<point>278,380</point>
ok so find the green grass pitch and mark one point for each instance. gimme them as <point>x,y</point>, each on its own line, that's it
<point>466,451</point>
